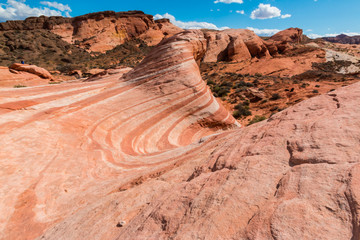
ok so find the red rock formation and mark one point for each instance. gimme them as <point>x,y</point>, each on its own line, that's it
<point>290,35</point>
<point>100,31</point>
<point>41,72</point>
<point>281,41</point>
<point>131,158</point>
<point>234,45</point>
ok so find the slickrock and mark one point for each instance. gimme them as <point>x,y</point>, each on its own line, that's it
<point>67,146</point>
<point>80,159</point>
<point>101,31</point>
<point>41,72</point>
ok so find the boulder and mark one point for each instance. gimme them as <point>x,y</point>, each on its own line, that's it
<point>41,72</point>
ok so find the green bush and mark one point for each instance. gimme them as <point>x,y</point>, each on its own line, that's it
<point>241,111</point>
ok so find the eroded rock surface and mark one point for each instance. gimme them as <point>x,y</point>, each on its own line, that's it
<point>78,159</point>
<point>41,72</point>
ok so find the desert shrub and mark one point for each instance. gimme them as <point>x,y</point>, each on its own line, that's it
<point>221,90</point>
<point>315,91</point>
<point>243,84</point>
<point>226,84</point>
<point>241,111</point>
<point>210,82</point>
<point>304,85</point>
<point>19,86</point>
<point>275,96</point>
<point>257,119</point>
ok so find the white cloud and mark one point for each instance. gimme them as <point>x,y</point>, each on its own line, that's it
<point>266,11</point>
<point>286,16</point>
<point>229,1</point>
<point>57,5</point>
<point>189,25</point>
<point>264,32</point>
<point>240,11</point>
<point>18,10</point>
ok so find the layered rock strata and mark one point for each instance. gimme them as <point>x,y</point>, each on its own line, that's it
<point>145,156</point>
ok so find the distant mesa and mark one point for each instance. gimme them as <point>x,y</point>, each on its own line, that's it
<point>344,39</point>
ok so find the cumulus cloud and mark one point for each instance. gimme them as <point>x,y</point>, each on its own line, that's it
<point>18,10</point>
<point>264,32</point>
<point>229,1</point>
<point>57,5</point>
<point>266,11</point>
<point>188,25</point>
<point>240,11</point>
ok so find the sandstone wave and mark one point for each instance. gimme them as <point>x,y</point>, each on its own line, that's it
<point>151,154</point>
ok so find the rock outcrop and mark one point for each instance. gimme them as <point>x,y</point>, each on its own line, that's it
<point>234,45</point>
<point>101,31</point>
<point>290,35</point>
<point>12,78</point>
<point>41,72</point>
<point>135,156</point>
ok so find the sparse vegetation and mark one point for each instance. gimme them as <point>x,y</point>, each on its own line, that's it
<point>257,119</point>
<point>242,110</point>
<point>19,86</point>
<point>275,96</point>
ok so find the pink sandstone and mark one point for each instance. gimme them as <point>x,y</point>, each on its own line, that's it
<point>154,150</point>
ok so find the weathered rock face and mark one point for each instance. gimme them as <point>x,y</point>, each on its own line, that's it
<point>86,156</point>
<point>283,40</point>
<point>234,45</point>
<point>41,72</point>
<point>100,31</point>
<point>290,35</point>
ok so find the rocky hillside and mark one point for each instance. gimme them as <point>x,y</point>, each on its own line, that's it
<point>101,31</point>
<point>151,154</point>
<point>48,51</point>
<point>344,39</point>
<point>96,40</point>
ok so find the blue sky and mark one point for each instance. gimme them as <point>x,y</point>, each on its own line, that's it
<point>316,17</point>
